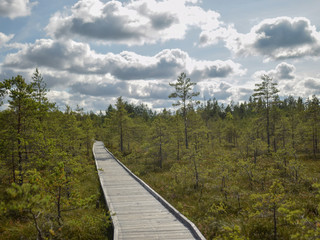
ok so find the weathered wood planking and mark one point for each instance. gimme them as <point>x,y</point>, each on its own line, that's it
<point>137,211</point>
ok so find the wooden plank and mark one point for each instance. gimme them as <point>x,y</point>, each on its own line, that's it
<point>137,211</point>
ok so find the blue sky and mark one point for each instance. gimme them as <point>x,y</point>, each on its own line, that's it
<point>92,51</point>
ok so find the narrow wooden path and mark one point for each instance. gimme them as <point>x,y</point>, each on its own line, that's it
<point>137,211</point>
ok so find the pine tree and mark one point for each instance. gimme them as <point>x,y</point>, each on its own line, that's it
<point>183,90</point>
<point>158,135</point>
<point>2,92</point>
<point>119,120</point>
<point>266,91</point>
<point>39,94</point>
<point>23,108</point>
<point>313,112</point>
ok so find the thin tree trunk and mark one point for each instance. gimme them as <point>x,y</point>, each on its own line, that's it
<point>196,174</point>
<point>19,147</point>
<point>268,123</point>
<point>238,199</point>
<point>34,217</point>
<point>26,153</point>
<point>222,183</point>
<point>255,154</point>
<point>292,136</point>
<point>185,124</point>
<point>59,205</point>
<point>274,223</point>
<point>121,138</point>
<point>160,150</point>
<point>178,150</point>
<point>314,143</point>
<point>186,133</point>
<point>88,145</point>
<point>13,166</point>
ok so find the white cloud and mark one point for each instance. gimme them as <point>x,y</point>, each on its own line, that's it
<point>291,83</point>
<point>220,91</point>
<point>283,71</point>
<point>5,38</point>
<point>284,37</point>
<point>79,58</point>
<point>46,52</point>
<point>135,22</point>
<point>88,75</point>
<point>313,86</point>
<point>301,87</point>
<point>212,36</point>
<point>275,38</point>
<point>215,69</point>
<point>223,91</point>
<point>143,90</point>
<point>15,8</point>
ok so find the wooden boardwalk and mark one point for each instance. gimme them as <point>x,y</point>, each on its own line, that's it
<point>137,211</point>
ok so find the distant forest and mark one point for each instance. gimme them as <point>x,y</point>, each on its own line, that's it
<point>241,171</point>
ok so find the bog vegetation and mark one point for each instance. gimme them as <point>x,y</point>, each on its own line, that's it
<point>49,188</point>
<point>242,171</point>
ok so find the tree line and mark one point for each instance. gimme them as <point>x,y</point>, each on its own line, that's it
<point>291,123</point>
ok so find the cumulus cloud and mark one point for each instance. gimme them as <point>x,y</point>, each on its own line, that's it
<point>89,75</point>
<point>222,33</point>
<point>15,8</point>
<point>5,38</point>
<point>283,71</point>
<point>214,89</point>
<point>216,69</point>
<point>143,90</point>
<point>154,94</point>
<point>131,23</point>
<point>79,58</point>
<point>57,79</point>
<point>46,52</point>
<point>242,94</point>
<point>224,92</point>
<point>301,86</point>
<point>291,83</point>
<point>97,89</point>
<point>313,84</point>
<point>275,38</point>
<point>285,37</point>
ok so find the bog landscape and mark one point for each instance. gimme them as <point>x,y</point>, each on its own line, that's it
<point>211,109</point>
<point>242,171</point>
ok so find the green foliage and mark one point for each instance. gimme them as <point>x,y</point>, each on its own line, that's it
<point>49,187</point>
<point>265,93</point>
<point>232,181</point>
<point>183,91</point>
<point>119,124</point>
<point>249,171</point>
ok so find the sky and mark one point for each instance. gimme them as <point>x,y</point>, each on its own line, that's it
<point>90,52</point>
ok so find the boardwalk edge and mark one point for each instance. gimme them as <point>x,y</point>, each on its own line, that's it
<point>114,218</point>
